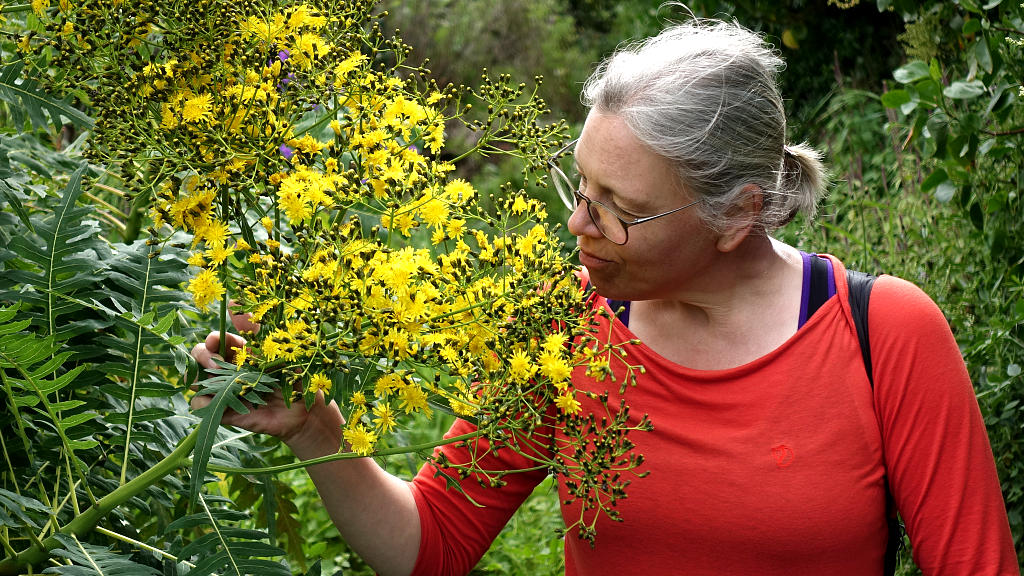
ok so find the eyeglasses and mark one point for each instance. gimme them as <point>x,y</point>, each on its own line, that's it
<point>614,227</point>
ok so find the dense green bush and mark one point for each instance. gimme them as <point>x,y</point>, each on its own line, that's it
<point>959,117</point>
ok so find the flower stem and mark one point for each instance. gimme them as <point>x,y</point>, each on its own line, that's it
<point>343,456</point>
<point>90,518</point>
<point>225,207</point>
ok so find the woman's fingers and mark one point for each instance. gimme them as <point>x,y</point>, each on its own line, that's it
<point>242,320</point>
<point>200,401</point>
<point>204,355</point>
<point>243,323</point>
<point>207,352</point>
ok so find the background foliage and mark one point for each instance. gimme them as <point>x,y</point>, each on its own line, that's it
<point>916,104</point>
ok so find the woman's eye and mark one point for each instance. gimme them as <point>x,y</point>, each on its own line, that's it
<point>625,214</point>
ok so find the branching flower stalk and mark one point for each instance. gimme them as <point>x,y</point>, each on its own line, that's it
<point>309,165</point>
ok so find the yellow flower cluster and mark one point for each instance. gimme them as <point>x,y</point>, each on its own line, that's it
<point>318,194</point>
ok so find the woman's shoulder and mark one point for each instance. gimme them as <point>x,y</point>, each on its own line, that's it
<point>897,308</point>
<point>904,304</point>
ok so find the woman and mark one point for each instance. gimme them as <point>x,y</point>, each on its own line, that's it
<point>771,451</point>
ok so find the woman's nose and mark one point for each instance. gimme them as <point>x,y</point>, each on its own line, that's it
<point>580,223</point>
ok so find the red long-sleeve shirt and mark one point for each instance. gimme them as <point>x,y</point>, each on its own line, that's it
<point>777,466</point>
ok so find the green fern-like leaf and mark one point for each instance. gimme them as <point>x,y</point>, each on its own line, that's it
<point>225,386</point>
<point>33,374</point>
<point>223,548</point>
<point>27,100</point>
<point>62,257</point>
<point>144,286</point>
<point>91,560</point>
<point>20,512</point>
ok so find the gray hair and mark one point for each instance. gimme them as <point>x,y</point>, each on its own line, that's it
<point>704,94</point>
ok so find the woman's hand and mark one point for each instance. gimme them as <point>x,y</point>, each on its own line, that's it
<point>313,432</point>
<point>374,511</point>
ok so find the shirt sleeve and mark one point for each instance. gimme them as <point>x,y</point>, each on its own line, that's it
<point>940,465</point>
<point>457,527</point>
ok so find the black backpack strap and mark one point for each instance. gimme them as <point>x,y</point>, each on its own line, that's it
<point>817,293</point>
<point>859,285</point>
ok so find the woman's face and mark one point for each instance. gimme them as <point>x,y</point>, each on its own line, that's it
<point>662,257</point>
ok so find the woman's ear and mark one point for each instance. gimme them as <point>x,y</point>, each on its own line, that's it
<point>744,219</point>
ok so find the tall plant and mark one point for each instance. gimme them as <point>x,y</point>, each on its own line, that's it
<point>283,156</point>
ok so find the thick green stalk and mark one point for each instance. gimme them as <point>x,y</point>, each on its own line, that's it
<point>90,518</point>
<point>136,215</point>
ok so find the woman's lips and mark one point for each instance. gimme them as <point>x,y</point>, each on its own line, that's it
<point>591,261</point>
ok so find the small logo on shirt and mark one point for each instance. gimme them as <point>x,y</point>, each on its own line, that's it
<point>782,455</point>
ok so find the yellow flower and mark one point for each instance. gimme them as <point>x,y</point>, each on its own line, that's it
<point>347,65</point>
<point>386,384</point>
<point>295,206</point>
<point>307,48</point>
<point>385,418</point>
<point>455,227</point>
<point>567,402</point>
<point>319,382</point>
<point>519,366</point>
<point>197,259</point>
<point>219,253</point>
<point>301,16</point>
<point>462,408</point>
<point>435,138</point>
<point>413,399</point>
<point>358,398</point>
<point>215,233</point>
<point>433,212</point>
<point>40,6</point>
<point>205,288</point>
<point>598,368</point>
<point>360,439</point>
<point>555,342</point>
<point>241,355</point>
<point>554,368</point>
<point>459,191</point>
<point>403,222</point>
<point>520,205</point>
<point>399,343</point>
<point>198,108</point>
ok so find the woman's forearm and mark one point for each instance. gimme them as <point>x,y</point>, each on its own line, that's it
<point>374,511</point>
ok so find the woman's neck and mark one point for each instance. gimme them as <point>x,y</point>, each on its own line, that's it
<point>745,306</point>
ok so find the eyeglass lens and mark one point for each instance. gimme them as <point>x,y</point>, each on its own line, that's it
<point>606,221</point>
